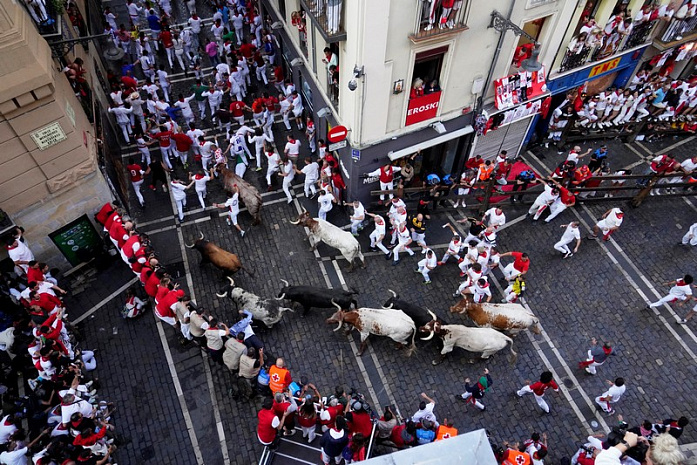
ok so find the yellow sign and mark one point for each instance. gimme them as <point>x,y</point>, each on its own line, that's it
<point>604,67</point>
<point>48,136</point>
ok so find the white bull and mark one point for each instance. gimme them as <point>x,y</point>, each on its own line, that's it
<point>511,318</point>
<point>268,311</point>
<point>333,236</point>
<point>485,340</point>
<point>394,324</point>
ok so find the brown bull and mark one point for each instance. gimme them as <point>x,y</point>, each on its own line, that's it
<point>248,193</point>
<point>229,263</point>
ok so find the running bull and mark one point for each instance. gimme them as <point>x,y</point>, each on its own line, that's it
<point>511,318</point>
<point>419,315</point>
<point>485,340</point>
<point>248,193</point>
<point>309,296</point>
<point>227,262</point>
<point>268,311</point>
<point>394,324</point>
<point>333,236</point>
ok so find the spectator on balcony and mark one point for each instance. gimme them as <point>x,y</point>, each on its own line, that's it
<point>588,26</point>
<point>417,88</point>
<point>432,87</point>
<point>333,16</point>
<point>522,52</point>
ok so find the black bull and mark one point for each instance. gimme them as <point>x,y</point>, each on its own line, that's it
<point>319,297</point>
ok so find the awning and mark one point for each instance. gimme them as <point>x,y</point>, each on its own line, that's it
<point>430,142</point>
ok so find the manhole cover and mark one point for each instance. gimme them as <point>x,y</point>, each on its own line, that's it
<point>568,383</point>
<point>147,452</point>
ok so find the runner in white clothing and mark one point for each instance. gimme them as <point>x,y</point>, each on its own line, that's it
<point>690,236</point>
<point>494,217</point>
<point>357,217</point>
<point>178,189</point>
<point>258,140</point>
<point>681,291</point>
<point>200,180</point>
<point>233,206</point>
<point>311,172</point>
<point>185,107</point>
<point>427,265</point>
<point>273,159</point>
<point>610,222</point>
<point>326,200</point>
<point>378,234</point>
<point>544,200</point>
<point>288,174</point>
<point>570,233</point>
<point>454,246</point>
<point>611,396</point>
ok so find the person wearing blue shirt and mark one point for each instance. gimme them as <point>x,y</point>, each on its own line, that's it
<point>155,27</point>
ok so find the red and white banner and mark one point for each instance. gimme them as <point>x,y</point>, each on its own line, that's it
<point>423,108</point>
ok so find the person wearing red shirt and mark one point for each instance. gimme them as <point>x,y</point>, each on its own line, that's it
<point>329,414</point>
<point>182,144</point>
<point>237,108</point>
<point>45,301</point>
<point>518,267</point>
<point>165,300</point>
<point>135,171</point>
<point>130,247</point>
<point>35,273</point>
<point>338,183</point>
<point>168,44</point>
<point>129,82</point>
<point>269,424</point>
<point>119,232</point>
<point>152,280</point>
<point>104,213</point>
<point>538,389</point>
<point>271,102</point>
<point>164,137</point>
<point>247,50</point>
<point>258,106</point>
<point>285,407</point>
<point>359,420</point>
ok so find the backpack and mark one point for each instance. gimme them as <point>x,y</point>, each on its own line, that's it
<point>527,175</point>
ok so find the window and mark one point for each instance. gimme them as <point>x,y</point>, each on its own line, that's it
<point>434,17</point>
<point>425,91</point>
<point>525,46</point>
<point>426,75</point>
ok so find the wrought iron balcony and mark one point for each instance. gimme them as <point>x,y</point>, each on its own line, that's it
<point>327,15</point>
<point>433,20</point>
<point>678,30</point>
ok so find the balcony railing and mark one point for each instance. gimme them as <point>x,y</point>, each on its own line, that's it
<point>327,16</point>
<point>45,16</point>
<point>579,54</point>
<point>678,28</point>
<point>433,20</point>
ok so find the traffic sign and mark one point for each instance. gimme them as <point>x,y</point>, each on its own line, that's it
<point>337,134</point>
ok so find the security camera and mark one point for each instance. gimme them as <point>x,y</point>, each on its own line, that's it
<point>352,85</point>
<point>296,62</point>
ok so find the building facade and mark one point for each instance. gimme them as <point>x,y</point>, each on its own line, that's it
<point>49,174</point>
<point>384,54</point>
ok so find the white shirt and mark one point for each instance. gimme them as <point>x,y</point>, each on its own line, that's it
<point>289,171</point>
<point>612,220</point>
<point>570,233</point>
<point>194,134</point>
<point>6,430</point>
<point>454,247</point>
<point>195,25</point>
<point>293,148</point>
<point>162,77</point>
<point>17,457</point>
<point>185,107</point>
<point>359,212</point>
<point>380,227</point>
<point>495,219</point>
<point>297,104</point>
<point>426,413</point>
<point>200,184</point>
<point>325,202</point>
<point>78,406</point>
<point>681,292</point>
<point>546,196</point>
<point>237,21</point>
<point>273,158</point>
<point>21,253</point>
<point>689,165</point>
<point>178,190</point>
<point>311,172</point>
<point>233,204</point>
<point>432,262</point>
<point>616,392</point>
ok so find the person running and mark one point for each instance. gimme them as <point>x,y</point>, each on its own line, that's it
<point>544,200</point>
<point>179,193</point>
<point>538,389</point>
<point>325,200</point>
<point>608,224</point>
<point>403,241</point>
<point>681,290</point>
<point>454,246</point>
<point>288,173</point>
<point>474,393</point>
<point>417,224</point>
<point>200,181</point>
<point>357,217</point>
<point>690,236</point>
<point>519,267</point>
<point>571,233</point>
<point>597,355</point>
<point>233,206</point>
<point>378,234</point>
<point>427,265</point>
<point>611,396</point>
<point>480,291</point>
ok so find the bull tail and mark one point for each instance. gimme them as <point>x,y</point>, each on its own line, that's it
<point>249,272</point>
<point>513,355</point>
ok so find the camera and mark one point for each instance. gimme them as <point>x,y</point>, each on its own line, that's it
<point>616,435</point>
<point>352,85</point>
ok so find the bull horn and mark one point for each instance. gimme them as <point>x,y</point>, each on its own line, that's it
<point>304,210</point>
<point>294,222</point>
<point>341,323</point>
<point>285,283</point>
<point>283,296</point>
<point>189,246</point>
<point>201,238</point>
<point>433,315</point>
<point>221,295</point>
<point>429,337</point>
<point>232,281</point>
<point>390,307</point>
<point>394,294</point>
<point>336,305</point>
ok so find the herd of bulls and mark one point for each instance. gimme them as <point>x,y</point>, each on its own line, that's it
<point>398,319</point>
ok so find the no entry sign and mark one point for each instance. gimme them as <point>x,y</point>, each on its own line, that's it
<point>337,134</point>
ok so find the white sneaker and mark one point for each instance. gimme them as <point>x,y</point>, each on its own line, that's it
<point>429,27</point>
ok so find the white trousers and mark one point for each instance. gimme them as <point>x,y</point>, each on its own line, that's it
<point>686,239</point>
<point>510,272</point>
<point>286,189</point>
<point>468,395</point>
<point>180,207</point>
<point>201,195</point>
<point>386,186</point>
<point>375,243</point>
<point>424,270</point>
<point>563,246</point>
<point>139,195</point>
<point>555,209</point>
<point>539,399</point>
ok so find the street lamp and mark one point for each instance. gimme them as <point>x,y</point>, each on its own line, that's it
<point>503,24</point>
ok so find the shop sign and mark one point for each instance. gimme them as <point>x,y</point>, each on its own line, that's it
<point>422,108</point>
<point>48,136</point>
<point>519,88</point>
<point>604,67</point>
